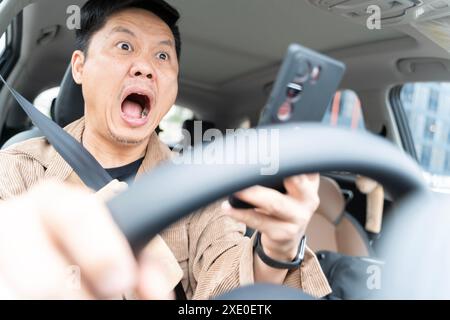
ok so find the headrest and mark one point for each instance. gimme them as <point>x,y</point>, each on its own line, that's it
<point>332,201</point>
<point>69,105</point>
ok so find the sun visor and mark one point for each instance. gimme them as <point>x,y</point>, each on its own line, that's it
<point>391,13</point>
<point>437,30</point>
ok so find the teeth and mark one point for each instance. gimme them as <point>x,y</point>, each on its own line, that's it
<point>144,113</point>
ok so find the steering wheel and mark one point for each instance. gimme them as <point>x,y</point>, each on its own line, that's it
<point>172,191</point>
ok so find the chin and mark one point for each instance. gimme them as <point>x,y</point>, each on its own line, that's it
<point>129,138</point>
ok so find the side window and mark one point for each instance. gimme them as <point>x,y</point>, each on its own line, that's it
<point>345,111</point>
<point>172,124</point>
<point>427,107</point>
<point>10,42</point>
<point>45,100</point>
<point>2,44</point>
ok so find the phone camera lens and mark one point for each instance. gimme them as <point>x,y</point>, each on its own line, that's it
<point>303,71</point>
<point>315,73</point>
<point>294,91</point>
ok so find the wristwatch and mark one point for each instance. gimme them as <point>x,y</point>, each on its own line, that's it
<point>296,263</point>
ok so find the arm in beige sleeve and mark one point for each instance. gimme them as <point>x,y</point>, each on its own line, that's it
<point>222,258</point>
<point>18,172</point>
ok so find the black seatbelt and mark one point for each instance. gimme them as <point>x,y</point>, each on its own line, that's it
<point>73,152</point>
<point>82,162</point>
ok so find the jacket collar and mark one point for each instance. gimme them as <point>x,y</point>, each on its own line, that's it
<point>56,166</point>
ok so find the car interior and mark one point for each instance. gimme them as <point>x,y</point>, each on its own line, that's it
<point>227,71</point>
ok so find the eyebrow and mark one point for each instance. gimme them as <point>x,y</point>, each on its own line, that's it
<point>122,30</point>
<point>166,43</point>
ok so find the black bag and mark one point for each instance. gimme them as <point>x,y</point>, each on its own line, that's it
<point>351,278</point>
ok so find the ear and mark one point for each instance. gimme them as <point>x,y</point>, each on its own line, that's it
<point>77,66</point>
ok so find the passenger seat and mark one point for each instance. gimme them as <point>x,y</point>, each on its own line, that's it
<point>332,228</point>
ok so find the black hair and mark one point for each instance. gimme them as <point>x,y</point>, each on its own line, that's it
<point>95,14</point>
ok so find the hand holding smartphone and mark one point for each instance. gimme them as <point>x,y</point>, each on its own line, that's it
<point>305,85</point>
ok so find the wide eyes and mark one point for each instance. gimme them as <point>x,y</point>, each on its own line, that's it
<point>124,46</point>
<point>162,56</point>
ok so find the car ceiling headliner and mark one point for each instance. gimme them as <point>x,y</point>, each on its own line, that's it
<point>226,39</point>
<point>223,40</point>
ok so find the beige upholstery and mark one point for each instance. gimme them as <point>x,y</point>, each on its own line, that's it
<point>332,202</point>
<point>375,203</point>
<point>349,239</point>
<point>331,228</point>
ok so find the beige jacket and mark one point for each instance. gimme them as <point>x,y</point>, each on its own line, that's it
<point>210,247</point>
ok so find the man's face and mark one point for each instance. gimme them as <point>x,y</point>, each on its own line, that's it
<point>129,77</point>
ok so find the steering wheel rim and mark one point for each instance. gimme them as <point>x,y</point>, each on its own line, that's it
<point>148,207</point>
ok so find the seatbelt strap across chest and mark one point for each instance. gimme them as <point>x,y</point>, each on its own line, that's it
<point>72,151</point>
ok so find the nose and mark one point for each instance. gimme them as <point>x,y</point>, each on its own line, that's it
<point>142,68</point>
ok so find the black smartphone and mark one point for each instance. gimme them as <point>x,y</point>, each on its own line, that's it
<point>304,88</point>
<point>305,85</point>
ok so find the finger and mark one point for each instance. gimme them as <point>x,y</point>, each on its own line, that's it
<point>84,229</point>
<point>30,265</point>
<point>111,190</point>
<point>274,203</point>
<point>159,271</point>
<point>304,188</point>
<point>276,229</point>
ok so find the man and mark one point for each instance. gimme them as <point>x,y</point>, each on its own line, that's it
<point>127,64</point>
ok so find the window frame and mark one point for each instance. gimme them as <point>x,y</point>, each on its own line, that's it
<point>401,120</point>
<point>11,54</point>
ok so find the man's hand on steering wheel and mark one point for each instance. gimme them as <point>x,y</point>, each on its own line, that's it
<point>55,231</point>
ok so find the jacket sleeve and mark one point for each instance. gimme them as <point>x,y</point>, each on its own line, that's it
<point>18,172</point>
<point>221,258</point>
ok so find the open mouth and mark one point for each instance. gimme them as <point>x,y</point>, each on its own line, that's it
<point>136,106</point>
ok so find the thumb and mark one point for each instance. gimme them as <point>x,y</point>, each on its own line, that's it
<point>111,190</point>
